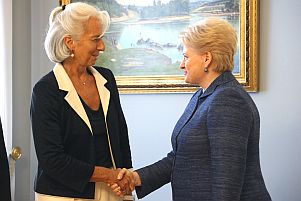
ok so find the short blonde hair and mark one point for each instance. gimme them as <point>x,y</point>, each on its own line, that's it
<point>70,21</point>
<point>216,36</point>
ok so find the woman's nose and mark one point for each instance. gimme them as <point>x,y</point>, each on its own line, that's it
<point>101,45</point>
<point>182,64</point>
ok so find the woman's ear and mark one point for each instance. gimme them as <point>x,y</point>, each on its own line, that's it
<point>69,42</point>
<point>208,58</point>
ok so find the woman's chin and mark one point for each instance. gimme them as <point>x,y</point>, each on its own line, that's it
<point>186,79</point>
<point>92,63</point>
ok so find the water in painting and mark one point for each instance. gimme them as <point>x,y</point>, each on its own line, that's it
<point>143,36</point>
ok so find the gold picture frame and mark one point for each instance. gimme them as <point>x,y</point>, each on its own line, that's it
<point>247,74</point>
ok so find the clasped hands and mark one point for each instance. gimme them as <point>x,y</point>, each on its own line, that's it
<point>125,182</point>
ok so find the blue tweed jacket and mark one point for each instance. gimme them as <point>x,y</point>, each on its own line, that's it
<point>215,153</point>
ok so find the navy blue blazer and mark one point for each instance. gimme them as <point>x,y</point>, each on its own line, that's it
<point>215,149</point>
<point>63,135</point>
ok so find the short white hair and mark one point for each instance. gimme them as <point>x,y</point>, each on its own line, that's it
<point>70,21</point>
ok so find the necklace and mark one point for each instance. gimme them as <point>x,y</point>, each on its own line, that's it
<point>84,82</point>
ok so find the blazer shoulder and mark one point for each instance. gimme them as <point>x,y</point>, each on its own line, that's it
<point>225,96</point>
<point>231,89</point>
<point>234,95</point>
<point>46,85</point>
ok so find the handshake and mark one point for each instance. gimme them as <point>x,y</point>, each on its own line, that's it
<point>123,181</point>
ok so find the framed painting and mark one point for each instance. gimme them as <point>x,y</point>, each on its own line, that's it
<point>142,47</point>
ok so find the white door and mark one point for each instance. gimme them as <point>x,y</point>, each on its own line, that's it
<point>29,63</point>
<point>6,78</point>
<point>22,69</point>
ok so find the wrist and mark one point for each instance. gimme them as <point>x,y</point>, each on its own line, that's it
<point>101,174</point>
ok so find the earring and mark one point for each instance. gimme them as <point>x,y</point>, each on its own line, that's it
<point>206,70</point>
<point>72,54</point>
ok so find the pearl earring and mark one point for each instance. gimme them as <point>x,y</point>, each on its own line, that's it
<point>72,53</point>
<point>206,70</point>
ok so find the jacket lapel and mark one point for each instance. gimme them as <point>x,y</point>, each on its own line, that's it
<point>189,111</point>
<point>199,98</point>
<point>71,97</point>
<point>104,93</point>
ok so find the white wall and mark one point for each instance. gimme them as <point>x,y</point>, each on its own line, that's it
<point>151,117</point>
<point>279,99</point>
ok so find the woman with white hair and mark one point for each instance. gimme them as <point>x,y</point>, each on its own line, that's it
<point>79,129</point>
<point>215,143</point>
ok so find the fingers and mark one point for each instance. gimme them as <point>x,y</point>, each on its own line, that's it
<point>126,180</point>
<point>132,182</point>
<point>117,190</point>
<point>121,173</point>
<point>124,184</point>
<point>118,175</point>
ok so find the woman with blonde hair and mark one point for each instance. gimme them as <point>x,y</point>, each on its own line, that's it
<point>215,143</point>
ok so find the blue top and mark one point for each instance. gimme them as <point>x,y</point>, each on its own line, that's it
<point>101,143</point>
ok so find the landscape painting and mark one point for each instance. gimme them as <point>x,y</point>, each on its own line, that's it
<point>142,45</point>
